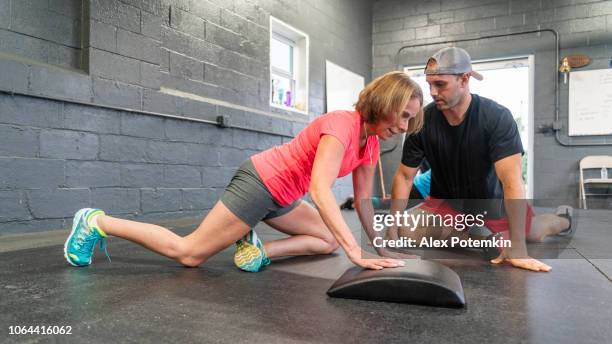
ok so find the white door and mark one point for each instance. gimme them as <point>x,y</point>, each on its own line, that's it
<point>510,83</point>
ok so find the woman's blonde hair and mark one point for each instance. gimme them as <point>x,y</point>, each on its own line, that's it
<point>388,96</point>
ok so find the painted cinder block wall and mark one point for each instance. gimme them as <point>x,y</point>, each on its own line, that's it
<point>584,26</point>
<point>84,84</point>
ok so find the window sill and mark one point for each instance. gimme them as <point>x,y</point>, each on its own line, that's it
<point>287,108</point>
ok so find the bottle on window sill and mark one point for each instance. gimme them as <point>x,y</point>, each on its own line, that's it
<point>281,93</point>
<point>288,99</point>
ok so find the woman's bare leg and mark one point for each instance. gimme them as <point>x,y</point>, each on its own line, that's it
<point>309,234</point>
<point>219,229</point>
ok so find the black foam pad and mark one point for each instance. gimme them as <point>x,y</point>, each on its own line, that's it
<point>419,281</point>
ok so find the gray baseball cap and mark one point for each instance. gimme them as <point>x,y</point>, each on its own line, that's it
<point>451,60</point>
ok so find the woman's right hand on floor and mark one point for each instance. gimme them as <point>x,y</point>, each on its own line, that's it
<point>371,261</point>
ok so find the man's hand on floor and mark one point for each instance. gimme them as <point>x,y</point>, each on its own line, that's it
<point>526,263</point>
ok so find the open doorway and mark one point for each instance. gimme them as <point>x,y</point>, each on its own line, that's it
<point>509,82</point>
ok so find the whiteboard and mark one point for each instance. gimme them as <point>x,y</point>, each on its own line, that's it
<point>590,102</point>
<point>342,87</point>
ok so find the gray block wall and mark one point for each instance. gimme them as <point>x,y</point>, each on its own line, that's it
<point>126,130</point>
<point>584,26</point>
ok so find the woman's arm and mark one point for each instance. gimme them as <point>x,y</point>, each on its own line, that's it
<point>402,184</point>
<point>328,160</point>
<point>400,193</point>
<point>363,180</point>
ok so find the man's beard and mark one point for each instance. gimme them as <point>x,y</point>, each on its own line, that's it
<point>442,106</point>
<point>446,104</point>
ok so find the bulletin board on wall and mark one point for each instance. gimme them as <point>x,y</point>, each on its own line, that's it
<point>590,102</point>
<point>342,87</point>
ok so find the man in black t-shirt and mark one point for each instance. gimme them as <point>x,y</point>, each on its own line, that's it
<point>474,149</point>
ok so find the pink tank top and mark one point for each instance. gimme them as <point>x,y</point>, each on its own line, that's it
<point>286,169</point>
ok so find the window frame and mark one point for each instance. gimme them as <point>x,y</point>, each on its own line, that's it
<point>291,44</point>
<point>298,76</point>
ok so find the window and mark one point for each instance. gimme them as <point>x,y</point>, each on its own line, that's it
<point>288,67</point>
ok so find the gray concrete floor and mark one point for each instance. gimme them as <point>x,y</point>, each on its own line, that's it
<point>141,297</point>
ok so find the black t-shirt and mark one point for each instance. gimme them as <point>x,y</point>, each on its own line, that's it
<point>462,156</point>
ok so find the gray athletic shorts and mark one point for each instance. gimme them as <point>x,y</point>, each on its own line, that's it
<point>248,198</point>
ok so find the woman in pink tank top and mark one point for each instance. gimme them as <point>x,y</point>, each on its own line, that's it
<point>269,186</point>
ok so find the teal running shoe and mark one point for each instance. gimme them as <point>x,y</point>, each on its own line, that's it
<point>81,242</point>
<point>250,253</point>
